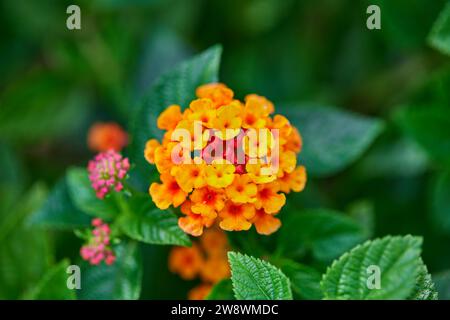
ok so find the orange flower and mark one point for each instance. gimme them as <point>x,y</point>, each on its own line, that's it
<point>204,111</point>
<point>257,175</point>
<point>163,157</point>
<point>107,136</point>
<point>259,105</point>
<point>294,141</point>
<point>186,261</point>
<point>269,198</point>
<point>150,148</point>
<point>220,174</point>
<point>168,193</point>
<point>294,181</point>
<point>200,292</point>
<point>235,217</point>
<point>228,121</point>
<point>242,190</point>
<point>193,223</point>
<point>219,93</point>
<point>265,223</point>
<point>169,118</point>
<point>207,201</point>
<point>215,269</point>
<point>288,161</point>
<point>189,176</point>
<point>214,242</point>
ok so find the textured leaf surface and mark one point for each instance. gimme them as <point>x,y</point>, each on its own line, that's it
<point>151,225</point>
<point>333,139</point>
<point>53,285</point>
<point>58,210</point>
<point>83,195</point>
<point>425,288</point>
<point>398,259</point>
<point>440,34</point>
<point>325,233</point>
<point>305,281</point>
<point>254,279</point>
<point>174,87</point>
<point>120,281</point>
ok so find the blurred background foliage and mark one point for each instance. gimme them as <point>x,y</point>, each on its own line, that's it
<point>54,83</point>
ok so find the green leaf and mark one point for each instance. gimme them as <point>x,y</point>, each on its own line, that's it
<point>254,279</point>
<point>424,289</point>
<point>59,211</point>
<point>53,285</point>
<point>439,37</point>
<point>174,87</point>
<point>83,195</point>
<point>325,233</point>
<point>223,290</point>
<point>305,281</point>
<point>442,282</point>
<point>151,225</point>
<point>119,281</point>
<point>398,259</point>
<point>428,126</point>
<point>24,252</point>
<point>440,212</point>
<point>333,138</point>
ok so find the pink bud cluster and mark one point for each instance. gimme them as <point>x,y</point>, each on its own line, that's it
<point>107,171</point>
<point>98,247</point>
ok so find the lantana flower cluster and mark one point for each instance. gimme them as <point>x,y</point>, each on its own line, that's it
<point>206,259</point>
<point>107,171</point>
<point>237,186</point>
<point>98,248</point>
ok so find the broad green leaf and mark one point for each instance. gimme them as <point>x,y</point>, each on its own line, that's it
<point>425,288</point>
<point>440,212</point>
<point>398,259</point>
<point>333,139</point>
<point>325,233</point>
<point>222,290</point>
<point>24,252</point>
<point>53,285</point>
<point>428,126</point>
<point>83,195</point>
<point>148,224</point>
<point>119,281</point>
<point>59,211</point>
<point>442,283</point>
<point>305,281</point>
<point>176,86</point>
<point>255,279</point>
<point>439,37</point>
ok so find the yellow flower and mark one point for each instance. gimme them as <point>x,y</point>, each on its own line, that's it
<point>169,118</point>
<point>288,161</point>
<point>257,175</point>
<point>228,121</point>
<point>268,197</point>
<point>168,193</point>
<point>265,223</point>
<point>242,190</point>
<point>219,174</point>
<point>219,93</point>
<point>189,176</point>
<point>204,111</point>
<point>235,217</point>
<point>207,201</point>
<point>150,148</point>
<point>294,181</point>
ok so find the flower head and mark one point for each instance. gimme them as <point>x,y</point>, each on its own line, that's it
<point>225,160</point>
<point>107,171</point>
<point>107,136</point>
<point>98,248</point>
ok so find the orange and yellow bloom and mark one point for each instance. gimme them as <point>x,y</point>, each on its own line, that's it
<point>222,170</point>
